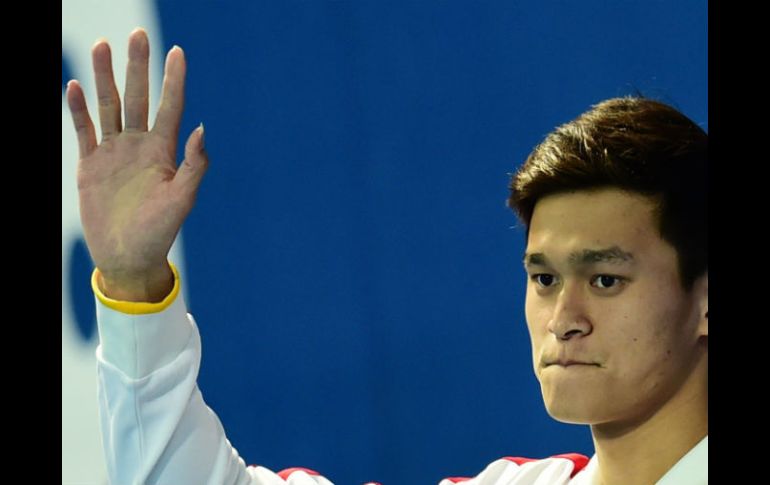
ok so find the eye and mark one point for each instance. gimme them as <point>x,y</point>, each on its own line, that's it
<point>543,279</point>
<point>605,281</point>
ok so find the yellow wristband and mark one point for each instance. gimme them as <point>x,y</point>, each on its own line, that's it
<point>137,307</point>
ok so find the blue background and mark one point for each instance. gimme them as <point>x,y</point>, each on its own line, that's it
<point>352,266</point>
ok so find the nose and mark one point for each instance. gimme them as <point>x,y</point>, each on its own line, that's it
<point>569,319</point>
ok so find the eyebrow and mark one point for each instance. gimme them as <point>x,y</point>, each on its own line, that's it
<point>586,257</point>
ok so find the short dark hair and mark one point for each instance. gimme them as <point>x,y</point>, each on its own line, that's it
<point>634,144</point>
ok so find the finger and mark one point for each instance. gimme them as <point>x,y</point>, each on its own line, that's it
<point>196,161</point>
<point>137,94</point>
<point>84,127</point>
<point>106,92</point>
<point>172,98</point>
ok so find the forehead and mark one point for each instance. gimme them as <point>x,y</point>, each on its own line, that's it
<point>593,219</point>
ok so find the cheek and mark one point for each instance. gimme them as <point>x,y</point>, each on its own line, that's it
<point>648,357</point>
<point>537,320</point>
<point>537,314</point>
<point>661,333</point>
<point>537,325</point>
<point>646,325</point>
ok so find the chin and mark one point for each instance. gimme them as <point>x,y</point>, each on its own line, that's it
<point>570,416</point>
<point>574,411</point>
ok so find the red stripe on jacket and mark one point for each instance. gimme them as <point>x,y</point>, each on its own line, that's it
<point>285,473</point>
<point>579,461</point>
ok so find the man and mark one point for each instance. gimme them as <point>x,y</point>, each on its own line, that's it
<point>617,301</point>
<point>615,206</point>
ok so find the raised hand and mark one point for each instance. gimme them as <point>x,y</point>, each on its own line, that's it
<point>133,197</point>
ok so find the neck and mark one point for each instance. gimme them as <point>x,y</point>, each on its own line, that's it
<point>641,452</point>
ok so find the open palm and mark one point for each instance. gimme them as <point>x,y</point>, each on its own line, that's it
<point>133,197</point>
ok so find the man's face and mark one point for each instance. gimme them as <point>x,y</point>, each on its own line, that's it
<point>614,334</point>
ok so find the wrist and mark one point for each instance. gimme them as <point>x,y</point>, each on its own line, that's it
<point>148,286</point>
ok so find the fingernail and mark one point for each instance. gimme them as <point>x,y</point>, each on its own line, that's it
<point>202,130</point>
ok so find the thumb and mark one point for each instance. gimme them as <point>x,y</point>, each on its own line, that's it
<point>196,161</point>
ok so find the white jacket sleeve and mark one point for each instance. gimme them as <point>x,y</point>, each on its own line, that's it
<point>156,428</point>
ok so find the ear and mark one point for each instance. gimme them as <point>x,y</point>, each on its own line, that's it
<point>702,289</point>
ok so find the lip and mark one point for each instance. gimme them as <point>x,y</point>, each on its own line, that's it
<point>570,363</point>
